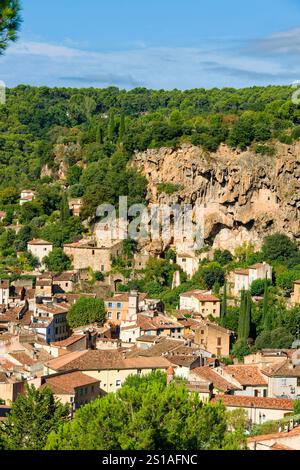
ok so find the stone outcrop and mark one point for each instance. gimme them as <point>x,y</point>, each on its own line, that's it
<point>245,195</point>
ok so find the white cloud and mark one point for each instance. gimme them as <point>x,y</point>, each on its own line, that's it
<point>39,63</point>
<point>286,42</point>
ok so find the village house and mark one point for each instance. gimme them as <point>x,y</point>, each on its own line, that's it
<point>202,302</point>
<point>4,292</point>
<point>75,206</point>
<point>27,195</point>
<point>123,307</point>
<point>109,367</point>
<point>266,357</point>
<point>189,263</point>
<point>39,249</point>
<point>249,379</point>
<point>86,254</point>
<point>214,338</point>
<point>258,409</point>
<point>284,440</point>
<point>50,322</point>
<point>220,384</point>
<point>284,377</point>
<point>241,279</point>
<point>295,296</point>
<point>74,388</point>
<point>71,344</point>
<point>64,282</point>
<point>44,287</point>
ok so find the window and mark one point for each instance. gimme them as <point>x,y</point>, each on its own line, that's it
<point>109,315</point>
<point>119,305</point>
<point>219,341</point>
<point>93,252</point>
<point>139,371</point>
<point>256,393</point>
<point>118,316</point>
<point>118,383</point>
<point>265,393</point>
<point>110,304</point>
<point>298,381</point>
<point>202,332</point>
<point>283,382</point>
<point>102,268</point>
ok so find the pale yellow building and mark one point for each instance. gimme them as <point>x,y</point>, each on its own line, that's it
<point>110,368</point>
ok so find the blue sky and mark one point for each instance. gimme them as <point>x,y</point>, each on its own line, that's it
<point>158,44</point>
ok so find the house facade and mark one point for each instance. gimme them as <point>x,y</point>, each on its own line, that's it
<point>86,255</point>
<point>39,249</point>
<point>213,338</point>
<point>202,302</point>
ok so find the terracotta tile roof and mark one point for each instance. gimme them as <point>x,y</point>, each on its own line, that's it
<point>67,383</point>
<point>23,358</point>
<point>39,241</point>
<point>207,323</point>
<point>190,323</point>
<point>162,347</point>
<point>69,341</point>
<point>257,402</point>
<point>156,323</point>
<point>219,382</point>
<point>192,293</point>
<point>277,435</point>
<point>124,297</point>
<point>185,361</point>
<point>257,266</point>
<point>278,446</point>
<point>246,375</point>
<point>282,369</point>
<point>66,276</point>
<point>145,339</point>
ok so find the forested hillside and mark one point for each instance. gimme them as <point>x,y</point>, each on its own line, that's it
<point>77,143</point>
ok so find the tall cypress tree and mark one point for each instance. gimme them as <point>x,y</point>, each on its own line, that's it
<point>266,299</point>
<point>241,316</point>
<point>224,301</point>
<point>122,128</point>
<point>248,311</point>
<point>64,208</point>
<point>111,127</point>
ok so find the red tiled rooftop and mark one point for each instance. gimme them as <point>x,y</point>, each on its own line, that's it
<point>256,402</point>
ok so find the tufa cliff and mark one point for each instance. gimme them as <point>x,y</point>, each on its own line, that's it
<point>245,196</point>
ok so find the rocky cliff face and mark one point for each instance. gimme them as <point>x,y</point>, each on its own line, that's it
<point>245,195</point>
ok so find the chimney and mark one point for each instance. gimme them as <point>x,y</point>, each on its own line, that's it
<point>170,375</point>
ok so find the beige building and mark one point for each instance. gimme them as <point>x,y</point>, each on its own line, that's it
<point>259,410</point>
<point>295,297</point>
<point>39,249</point>
<point>243,278</point>
<point>74,388</point>
<point>213,338</point>
<point>43,287</point>
<point>75,206</point>
<point>86,255</point>
<point>202,302</point>
<point>123,307</point>
<point>64,282</point>
<point>287,439</point>
<point>110,368</point>
<point>188,262</point>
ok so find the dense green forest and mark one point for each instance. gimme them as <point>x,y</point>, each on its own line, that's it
<point>78,142</point>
